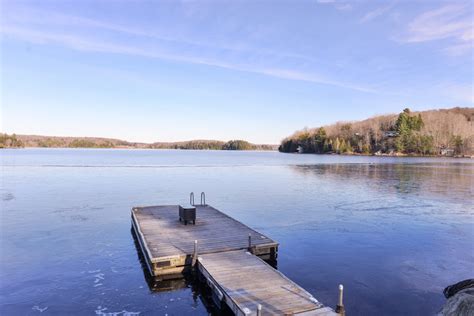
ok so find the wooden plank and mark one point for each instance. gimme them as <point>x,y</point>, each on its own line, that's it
<point>244,281</point>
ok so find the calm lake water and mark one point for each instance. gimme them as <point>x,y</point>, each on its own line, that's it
<point>394,231</point>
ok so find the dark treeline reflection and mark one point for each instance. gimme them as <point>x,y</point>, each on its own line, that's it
<point>453,180</point>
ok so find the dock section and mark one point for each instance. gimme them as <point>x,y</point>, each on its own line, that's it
<point>168,244</point>
<point>243,281</point>
<point>228,255</point>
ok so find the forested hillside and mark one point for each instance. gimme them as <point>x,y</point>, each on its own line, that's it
<point>435,132</point>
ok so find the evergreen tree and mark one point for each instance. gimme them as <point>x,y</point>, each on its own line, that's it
<point>319,139</point>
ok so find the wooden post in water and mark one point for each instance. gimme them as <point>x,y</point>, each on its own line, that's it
<point>195,253</point>
<point>259,310</point>
<point>340,306</point>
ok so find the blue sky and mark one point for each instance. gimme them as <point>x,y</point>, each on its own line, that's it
<point>255,70</point>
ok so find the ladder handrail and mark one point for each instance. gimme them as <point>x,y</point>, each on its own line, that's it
<point>203,198</point>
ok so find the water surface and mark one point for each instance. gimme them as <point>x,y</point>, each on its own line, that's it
<point>394,231</point>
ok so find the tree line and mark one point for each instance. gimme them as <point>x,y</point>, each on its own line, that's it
<point>211,145</point>
<point>435,132</point>
<point>10,141</point>
<point>18,141</point>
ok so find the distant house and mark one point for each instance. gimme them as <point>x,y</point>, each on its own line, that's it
<point>390,133</point>
<point>447,152</point>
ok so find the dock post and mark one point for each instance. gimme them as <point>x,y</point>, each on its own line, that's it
<point>195,253</point>
<point>250,242</point>
<point>259,310</point>
<point>340,306</point>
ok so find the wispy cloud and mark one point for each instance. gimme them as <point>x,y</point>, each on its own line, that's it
<point>68,31</point>
<point>452,23</point>
<point>339,5</point>
<point>90,45</point>
<point>55,19</point>
<point>371,15</point>
<point>295,75</point>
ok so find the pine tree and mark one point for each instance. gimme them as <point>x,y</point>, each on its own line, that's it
<point>343,147</point>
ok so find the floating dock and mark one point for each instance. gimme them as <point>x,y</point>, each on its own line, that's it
<point>168,244</point>
<point>228,255</point>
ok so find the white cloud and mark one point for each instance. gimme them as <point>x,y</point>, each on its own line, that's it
<point>451,23</point>
<point>339,5</point>
<point>295,75</point>
<point>344,6</point>
<point>376,13</point>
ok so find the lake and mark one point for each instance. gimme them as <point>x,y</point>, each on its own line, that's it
<point>394,231</point>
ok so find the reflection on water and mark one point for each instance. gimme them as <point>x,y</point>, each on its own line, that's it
<point>438,179</point>
<point>186,280</point>
<point>395,232</point>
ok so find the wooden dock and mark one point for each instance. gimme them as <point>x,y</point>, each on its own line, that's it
<point>243,281</point>
<point>168,245</point>
<point>229,256</point>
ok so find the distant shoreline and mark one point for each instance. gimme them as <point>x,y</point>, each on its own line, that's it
<point>38,141</point>
<point>136,148</point>
<point>397,155</point>
<point>255,150</point>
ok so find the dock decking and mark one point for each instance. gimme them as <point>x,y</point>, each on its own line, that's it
<point>168,245</point>
<point>229,258</point>
<point>243,281</point>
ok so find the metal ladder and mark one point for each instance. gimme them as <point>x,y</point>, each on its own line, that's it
<point>203,199</point>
